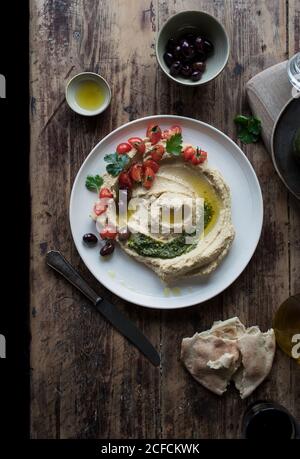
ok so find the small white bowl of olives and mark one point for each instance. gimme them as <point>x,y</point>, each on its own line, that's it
<point>192,48</point>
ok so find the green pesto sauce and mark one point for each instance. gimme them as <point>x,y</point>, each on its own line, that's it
<point>149,247</point>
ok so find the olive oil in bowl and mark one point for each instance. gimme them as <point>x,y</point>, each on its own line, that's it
<point>88,94</point>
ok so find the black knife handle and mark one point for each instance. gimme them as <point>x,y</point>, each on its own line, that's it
<point>56,260</point>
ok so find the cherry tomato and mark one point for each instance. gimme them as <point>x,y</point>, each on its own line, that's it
<point>136,172</point>
<point>152,164</point>
<point>188,153</point>
<point>105,193</point>
<point>139,145</point>
<point>149,176</point>
<point>133,140</point>
<point>203,156</point>
<point>153,133</point>
<point>125,181</point>
<point>176,129</point>
<point>157,152</point>
<point>108,232</point>
<point>100,208</point>
<point>166,134</point>
<point>199,157</point>
<point>123,148</point>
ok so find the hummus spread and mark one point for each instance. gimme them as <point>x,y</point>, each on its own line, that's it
<point>158,218</point>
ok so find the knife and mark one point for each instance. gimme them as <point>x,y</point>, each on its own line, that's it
<point>57,261</point>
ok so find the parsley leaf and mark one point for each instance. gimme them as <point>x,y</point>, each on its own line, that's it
<point>116,163</point>
<point>249,128</point>
<point>94,183</point>
<point>174,144</point>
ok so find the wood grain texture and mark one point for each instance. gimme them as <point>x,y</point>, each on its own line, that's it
<point>87,381</point>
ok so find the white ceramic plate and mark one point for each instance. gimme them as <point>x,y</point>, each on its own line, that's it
<point>133,281</point>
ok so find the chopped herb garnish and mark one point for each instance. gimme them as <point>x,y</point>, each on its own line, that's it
<point>94,182</point>
<point>117,163</point>
<point>249,128</point>
<point>174,144</point>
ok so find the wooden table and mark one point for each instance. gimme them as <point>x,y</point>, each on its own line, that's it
<point>87,381</point>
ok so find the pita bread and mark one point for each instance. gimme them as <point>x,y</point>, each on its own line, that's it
<point>257,353</point>
<point>210,360</point>
<point>229,352</point>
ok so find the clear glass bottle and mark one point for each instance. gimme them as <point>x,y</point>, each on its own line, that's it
<point>286,324</point>
<point>293,70</point>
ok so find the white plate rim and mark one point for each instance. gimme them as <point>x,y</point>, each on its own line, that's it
<point>180,304</point>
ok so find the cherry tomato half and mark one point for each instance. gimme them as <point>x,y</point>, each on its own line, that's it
<point>125,181</point>
<point>100,208</point>
<point>157,152</point>
<point>123,148</point>
<point>140,147</point>
<point>108,232</point>
<point>105,193</point>
<point>153,133</point>
<point>149,176</point>
<point>152,164</point>
<point>199,157</point>
<point>136,172</point>
<point>176,129</point>
<point>132,140</point>
<point>188,153</point>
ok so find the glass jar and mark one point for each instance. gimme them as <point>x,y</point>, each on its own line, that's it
<point>286,324</point>
<point>268,420</point>
<point>293,70</point>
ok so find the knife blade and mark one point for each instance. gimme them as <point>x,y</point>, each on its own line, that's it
<point>58,262</point>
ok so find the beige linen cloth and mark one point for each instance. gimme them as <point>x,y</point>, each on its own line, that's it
<point>268,92</point>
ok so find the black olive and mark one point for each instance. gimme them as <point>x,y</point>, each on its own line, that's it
<point>175,68</point>
<point>124,234</point>
<point>90,239</point>
<point>184,45</point>
<point>171,44</point>
<point>208,46</point>
<point>189,52</point>
<point>186,71</point>
<point>168,58</point>
<point>177,51</point>
<point>107,249</point>
<point>199,44</point>
<point>196,75</point>
<point>199,66</point>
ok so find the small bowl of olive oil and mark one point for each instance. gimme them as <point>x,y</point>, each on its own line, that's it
<point>88,94</point>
